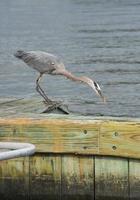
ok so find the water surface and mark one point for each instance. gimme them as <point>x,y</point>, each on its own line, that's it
<point>100,39</point>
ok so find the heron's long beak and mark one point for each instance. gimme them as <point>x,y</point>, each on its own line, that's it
<point>101,95</point>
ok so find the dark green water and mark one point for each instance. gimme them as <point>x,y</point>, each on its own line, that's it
<point>100,39</point>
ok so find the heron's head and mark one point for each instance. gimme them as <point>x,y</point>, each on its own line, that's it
<point>94,85</point>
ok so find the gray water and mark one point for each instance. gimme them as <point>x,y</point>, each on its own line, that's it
<point>96,38</point>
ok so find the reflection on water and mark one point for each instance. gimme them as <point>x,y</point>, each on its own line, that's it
<point>100,39</point>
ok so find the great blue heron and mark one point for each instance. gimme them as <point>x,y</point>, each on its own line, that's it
<point>46,63</point>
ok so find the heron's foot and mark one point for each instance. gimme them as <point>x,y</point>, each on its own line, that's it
<point>53,104</point>
<point>56,106</point>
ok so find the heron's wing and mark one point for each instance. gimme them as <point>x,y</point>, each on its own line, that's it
<point>41,61</point>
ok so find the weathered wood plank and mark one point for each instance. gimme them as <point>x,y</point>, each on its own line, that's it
<point>45,177</point>
<point>134,179</point>
<point>16,107</point>
<point>57,136</point>
<point>14,179</point>
<point>111,179</point>
<point>77,177</point>
<point>83,136</point>
<point>120,139</point>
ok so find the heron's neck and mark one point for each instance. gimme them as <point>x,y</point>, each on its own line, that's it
<point>69,75</point>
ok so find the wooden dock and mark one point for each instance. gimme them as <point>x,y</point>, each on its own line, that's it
<point>77,157</point>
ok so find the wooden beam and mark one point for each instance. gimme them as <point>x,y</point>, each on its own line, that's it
<point>83,135</point>
<point>120,138</point>
<point>53,135</point>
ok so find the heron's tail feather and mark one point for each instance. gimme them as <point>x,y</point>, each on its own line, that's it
<point>19,54</point>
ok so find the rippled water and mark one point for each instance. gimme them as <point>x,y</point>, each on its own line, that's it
<point>100,39</point>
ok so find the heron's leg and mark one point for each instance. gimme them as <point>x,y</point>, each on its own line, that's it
<point>51,104</point>
<point>40,91</point>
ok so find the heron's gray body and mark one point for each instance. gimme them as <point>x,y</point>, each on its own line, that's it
<point>41,61</point>
<point>46,63</point>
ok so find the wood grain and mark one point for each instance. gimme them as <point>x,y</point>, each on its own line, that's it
<point>45,177</point>
<point>82,136</point>
<point>120,139</point>
<point>134,179</point>
<point>111,179</point>
<point>14,179</point>
<point>77,177</point>
<point>53,135</point>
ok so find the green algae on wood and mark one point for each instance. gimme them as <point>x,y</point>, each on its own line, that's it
<point>134,179</point>
<point>45,177</point>
<point>77,177</point>
<point>111,178</point>
<point>14,179</point>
